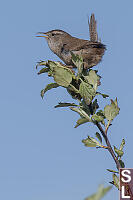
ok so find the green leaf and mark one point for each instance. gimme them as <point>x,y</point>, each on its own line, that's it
<point>42,93</point>
<point>52,64</point>
<point>102,191</point>
<point>99,137</point>
<point>65,105</point>
<point>91,142</point>
<point>113,171</point>
<point>43,70</point>
<point>81,112</point>
<point>98,118</point>
<point>115,102</point>
<point>41,63</point>
<point>73,88</point>
<point>103,95</point>
<point>111,111</point>
<point>101,113</point>
<point>92,78</point>
<point>78,62</point>
<point>81,121</point>
<point>121,163</point>
<point>48,87</point>
<point>62,76</point>
<point>118,152</point>
<point>122,144</point>
<point>87,92</point>
<point>116,180</point>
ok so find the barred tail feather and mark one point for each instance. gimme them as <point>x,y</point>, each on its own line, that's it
<point>93,29</point>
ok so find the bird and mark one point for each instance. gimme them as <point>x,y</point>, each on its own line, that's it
<point>64,45</point>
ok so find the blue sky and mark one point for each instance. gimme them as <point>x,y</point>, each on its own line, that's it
<point>41,154</point>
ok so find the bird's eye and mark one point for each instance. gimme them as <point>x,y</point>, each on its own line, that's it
<point>53,34</point>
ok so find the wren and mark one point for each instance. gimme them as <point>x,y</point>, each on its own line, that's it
<point>62,44</point>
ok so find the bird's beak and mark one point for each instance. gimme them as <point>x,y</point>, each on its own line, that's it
<point>44,35</point>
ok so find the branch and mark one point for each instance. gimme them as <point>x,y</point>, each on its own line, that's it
<point>108,145</point>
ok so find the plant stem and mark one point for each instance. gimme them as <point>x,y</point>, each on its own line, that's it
<point>108,145</point>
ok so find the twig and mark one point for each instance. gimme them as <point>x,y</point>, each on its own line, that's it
<point>108,145</point>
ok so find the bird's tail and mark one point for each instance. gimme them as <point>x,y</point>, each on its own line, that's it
<point>98,45</point>
<point>93,29</point>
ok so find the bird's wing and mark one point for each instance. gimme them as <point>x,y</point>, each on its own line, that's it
<point>93,29</point>
<point>78,45</point>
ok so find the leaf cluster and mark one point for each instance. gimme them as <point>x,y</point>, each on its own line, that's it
<point>83,86</point>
